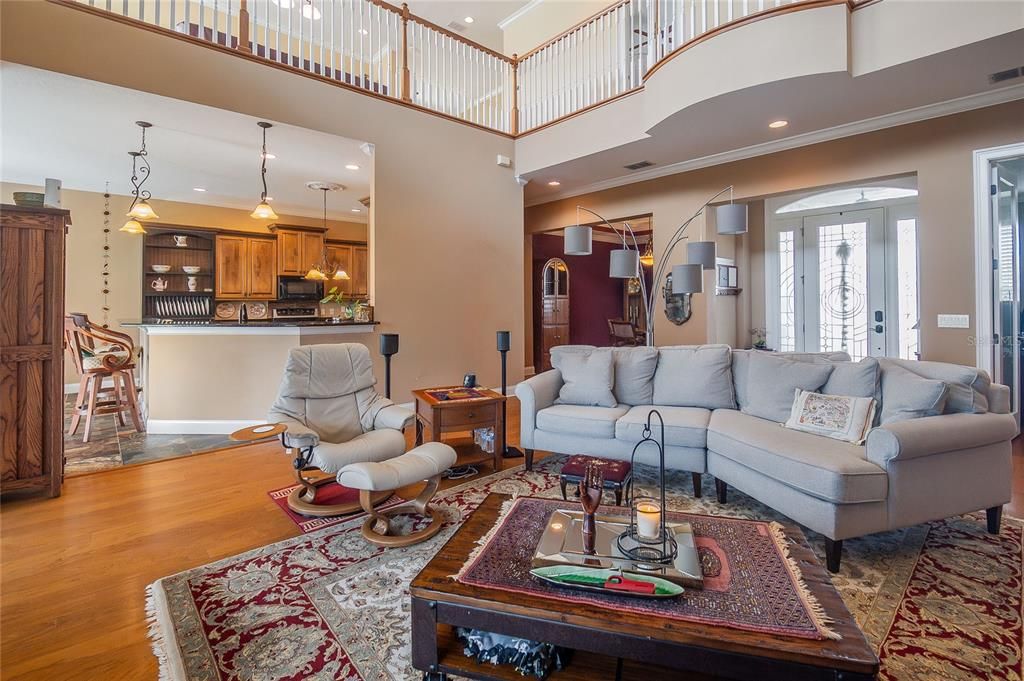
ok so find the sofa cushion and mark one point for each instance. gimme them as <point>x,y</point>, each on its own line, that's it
<point>684,426</point>
<point>835,471</point>
<point>587,376</point>
<point>905,395</point>
<point>741,367</point>
<point>573,419</point>
<point>774,380</point>
<point>694,376</point>
<point>634,374</point>
<point>853,379</point>
<point>968,386</point>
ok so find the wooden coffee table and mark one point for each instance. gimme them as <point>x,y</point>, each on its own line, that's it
<point>444,417</point>
<point>650,647</point>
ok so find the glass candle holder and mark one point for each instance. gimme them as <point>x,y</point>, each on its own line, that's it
<point>647,511</point>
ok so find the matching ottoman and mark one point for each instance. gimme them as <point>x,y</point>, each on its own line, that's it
<point>618,475</point>
<point>425,462</point>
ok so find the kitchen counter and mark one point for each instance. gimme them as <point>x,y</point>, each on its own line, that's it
<point>280,327</point>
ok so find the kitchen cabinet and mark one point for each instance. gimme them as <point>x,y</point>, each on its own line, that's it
<point>360,272</point>
<point>341,254</point>
<point>297,249</point>
<point>246,267</point>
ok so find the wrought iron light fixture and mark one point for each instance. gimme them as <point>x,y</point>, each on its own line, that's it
<point>325,268</point>
<point>263,211</point>
<point>140,208</point>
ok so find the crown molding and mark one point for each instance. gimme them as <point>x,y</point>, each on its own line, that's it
<point>518,14</point>
<point>921,113</point>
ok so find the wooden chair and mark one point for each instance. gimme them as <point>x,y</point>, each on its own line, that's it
<point>622,332</point>
<point>99,354</point>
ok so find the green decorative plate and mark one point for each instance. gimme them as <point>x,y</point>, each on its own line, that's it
<point>592,579</point>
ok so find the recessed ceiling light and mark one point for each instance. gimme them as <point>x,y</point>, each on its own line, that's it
<point>309,11</point>
<point>198,189</point>
<point>352,166</point>
<point>356,210</point>
<point>468,20</point>
<point>268,156</point>
<point>554,183</point>
<point>363,31</point>
<point>778,124</point>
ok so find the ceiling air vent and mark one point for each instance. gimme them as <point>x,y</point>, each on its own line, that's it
<point>638,165</point>
<point>456,26</point>
<point>1008,74</point>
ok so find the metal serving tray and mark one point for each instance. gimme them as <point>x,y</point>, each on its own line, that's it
<point>562,544</point>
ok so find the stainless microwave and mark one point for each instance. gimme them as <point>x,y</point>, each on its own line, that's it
<point>297,288</point>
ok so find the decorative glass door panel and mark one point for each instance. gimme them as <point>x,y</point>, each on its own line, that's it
<point>1006,246</point>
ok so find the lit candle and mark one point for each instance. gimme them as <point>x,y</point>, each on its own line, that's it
<point>648,520</point>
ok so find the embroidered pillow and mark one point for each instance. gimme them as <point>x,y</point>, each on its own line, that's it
<point>840,417</point>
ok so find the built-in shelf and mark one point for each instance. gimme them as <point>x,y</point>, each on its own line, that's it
<point>179,293</point>
<point>177,248</point>
<point>178,274</point>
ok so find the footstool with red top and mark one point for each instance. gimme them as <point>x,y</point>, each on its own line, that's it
<point>617,474</point>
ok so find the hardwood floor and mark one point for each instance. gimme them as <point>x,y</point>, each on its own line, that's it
<point>73,570</point>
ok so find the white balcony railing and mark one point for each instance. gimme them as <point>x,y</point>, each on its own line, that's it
<point>384,49</point>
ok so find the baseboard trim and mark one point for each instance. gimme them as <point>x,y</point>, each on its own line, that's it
<point>205,427</point>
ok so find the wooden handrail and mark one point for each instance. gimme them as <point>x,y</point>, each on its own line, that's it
<point>455,36</point>
<point>575,27</point>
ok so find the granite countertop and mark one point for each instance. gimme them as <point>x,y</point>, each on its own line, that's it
<point>255,323</point>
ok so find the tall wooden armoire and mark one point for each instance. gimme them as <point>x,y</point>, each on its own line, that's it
<point>32,348</point>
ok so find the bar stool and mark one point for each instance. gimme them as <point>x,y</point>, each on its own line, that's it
<point>98,354</point>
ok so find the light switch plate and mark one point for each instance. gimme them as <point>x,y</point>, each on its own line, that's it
<point>954,321</point>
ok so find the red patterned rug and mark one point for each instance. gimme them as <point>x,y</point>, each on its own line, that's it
<point>332,493</point>
<point>938,601</point>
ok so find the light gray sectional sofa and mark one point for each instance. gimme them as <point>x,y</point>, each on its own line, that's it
<point>940,445</point>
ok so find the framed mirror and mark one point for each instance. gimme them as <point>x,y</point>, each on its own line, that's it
<point>677,305</point>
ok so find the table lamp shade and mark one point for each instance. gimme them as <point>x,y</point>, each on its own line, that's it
<point>625,264</point>
<point>701,253</point>
<point>687,279</point>
<point>388,344</point>
<point>731,218</point>
<point>578,240</point>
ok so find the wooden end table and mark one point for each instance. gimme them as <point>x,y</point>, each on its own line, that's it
<point>459,416</point>
<point>612,645</point>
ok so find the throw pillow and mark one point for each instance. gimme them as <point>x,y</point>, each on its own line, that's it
<point>773,380</point>
<point>694,376</point>
<point>840,417</point>
<point>968,386</point>
<point>854,379</point>
<point>587,376</point>
<point>634,375</point>
<point>905,395</point>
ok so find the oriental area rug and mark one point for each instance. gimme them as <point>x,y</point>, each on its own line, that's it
<point>937,601</point>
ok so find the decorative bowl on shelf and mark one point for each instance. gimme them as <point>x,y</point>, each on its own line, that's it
<point>161,269</point>
<point>190,269</point>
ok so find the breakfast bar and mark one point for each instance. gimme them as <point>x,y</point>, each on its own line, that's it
<point>216,377</point>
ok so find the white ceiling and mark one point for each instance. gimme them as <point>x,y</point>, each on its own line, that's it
<point>81,131</point>
<point>486,16</point>
<point>701,134</point>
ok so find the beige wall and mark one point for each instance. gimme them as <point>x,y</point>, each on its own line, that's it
<point>938,151</point>
<point>545,20</point>
<point>84,262</point>
<point>445,222</point>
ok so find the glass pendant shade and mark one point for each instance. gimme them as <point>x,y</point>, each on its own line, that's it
<point>731,218</point>
<point>142,211</point>
<point>701,253</point>
<point>625,264</point>
<point>647,259</point>
<point>263,212</point>
<point>687,279</point>
<point>132,227</point>
<point>579,240</point>
<point>342,275</point>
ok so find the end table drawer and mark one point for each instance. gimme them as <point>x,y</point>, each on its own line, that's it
<point>469,415</point>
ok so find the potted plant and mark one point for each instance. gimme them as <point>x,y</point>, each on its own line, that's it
<point>759,339</point>
<point>336,297</point>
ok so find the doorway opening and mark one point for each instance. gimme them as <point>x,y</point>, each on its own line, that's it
<point>841,270</point>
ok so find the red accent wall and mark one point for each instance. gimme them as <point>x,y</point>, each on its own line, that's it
<point>594,297</point>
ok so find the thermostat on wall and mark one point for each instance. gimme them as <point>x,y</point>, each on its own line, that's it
<point>954,321</point>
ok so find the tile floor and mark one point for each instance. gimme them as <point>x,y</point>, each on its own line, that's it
<point>113,445</point>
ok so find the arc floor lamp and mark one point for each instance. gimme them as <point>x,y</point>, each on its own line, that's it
<point>730,219</point>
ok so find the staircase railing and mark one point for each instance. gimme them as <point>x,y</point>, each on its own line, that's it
<point>384,49</point>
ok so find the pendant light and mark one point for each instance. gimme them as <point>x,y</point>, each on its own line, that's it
<point>263,211</point>
<point>140,208</point>
<point>325,268</point>
<point>647,258</point>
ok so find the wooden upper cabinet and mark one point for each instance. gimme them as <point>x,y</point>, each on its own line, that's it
<point>312,249</point>
<point>360,272</point>
<point>342,255</point>
<point>262,268</point>
<point>246,267</point>
<point>232,255</point>
<point>289,253</point>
